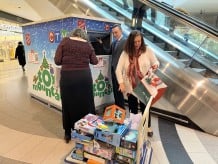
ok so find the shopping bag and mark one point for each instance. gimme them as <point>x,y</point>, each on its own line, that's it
<point>150,85</point>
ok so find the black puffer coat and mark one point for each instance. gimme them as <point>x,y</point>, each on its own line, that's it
<point>20,54</point>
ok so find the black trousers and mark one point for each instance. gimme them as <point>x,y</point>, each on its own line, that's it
<point>118,95</point>
<point>76,88</point>
<point>134,104</point>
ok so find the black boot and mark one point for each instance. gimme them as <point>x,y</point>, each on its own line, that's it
<point>67,136</point>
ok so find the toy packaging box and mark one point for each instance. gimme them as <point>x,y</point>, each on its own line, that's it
<point>93,159</point>
<point>113,133</point>
<point>78,151</point>
<point>100,149</point>
<point>124,160</point>
<point>129,140</point>
<point>88,123</point>
<point>114,113</point>
<point>81,136</point>
<point>126,152</point>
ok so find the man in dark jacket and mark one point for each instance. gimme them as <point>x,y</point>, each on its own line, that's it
<point>20,54</point>
<point>115,50</point>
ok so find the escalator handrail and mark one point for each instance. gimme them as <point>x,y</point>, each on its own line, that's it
<point>177,15</point>
<point>150,29</point>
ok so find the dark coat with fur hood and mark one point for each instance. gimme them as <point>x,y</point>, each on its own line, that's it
<point>20,54</point>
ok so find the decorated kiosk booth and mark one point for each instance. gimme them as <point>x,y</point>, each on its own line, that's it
<point>41,40</point>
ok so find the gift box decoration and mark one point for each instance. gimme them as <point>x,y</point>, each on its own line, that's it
<point>155,86</point>
<point>150,85</point>
<point>114,113</point>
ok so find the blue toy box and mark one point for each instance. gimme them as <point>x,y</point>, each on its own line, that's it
<point>113,134</point>
<point>129,141</point>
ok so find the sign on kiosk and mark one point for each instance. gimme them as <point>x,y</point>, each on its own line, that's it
<point>41,40</point>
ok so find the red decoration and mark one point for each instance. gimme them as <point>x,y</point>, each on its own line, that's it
<point>28,39</point>
<point>51,36</point>
<point>81,24</point>
<point>107,27</point>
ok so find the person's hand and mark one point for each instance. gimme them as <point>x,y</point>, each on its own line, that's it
<point>122,87</point>
<point>99,40</point>
<point>154,67</point>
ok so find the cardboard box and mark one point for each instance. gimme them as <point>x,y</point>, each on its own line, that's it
<point>78,151</point>
<point>93,159</point>
<point>114,113</point>
<point>123,159</point>
<point>129,140</point>
<point>88,123</point>
<point>81,136</point>
<point>100,149</point>
<point>113,134</point>
<point>126,152</point>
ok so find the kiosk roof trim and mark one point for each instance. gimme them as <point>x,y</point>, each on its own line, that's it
<point>72,16</point>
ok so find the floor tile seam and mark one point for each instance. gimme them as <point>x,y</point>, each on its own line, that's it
<point>158,150</point>
<point>189,132</point>
<point>23,157</point>
<point>172,145</point>
<point>6,129</point>
<point>6,154</point>
<point>156,141</point>
<point>28,135</point>
<point>197,143</point>
<point>50,155</point>
<point>42,142</point>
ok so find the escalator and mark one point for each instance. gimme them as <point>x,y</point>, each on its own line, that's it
<point>160,36</point>
<point>189,64</point>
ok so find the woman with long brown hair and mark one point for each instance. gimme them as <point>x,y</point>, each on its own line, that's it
<point>134,63</point>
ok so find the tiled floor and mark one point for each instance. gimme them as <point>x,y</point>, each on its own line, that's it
<point>30,132</point>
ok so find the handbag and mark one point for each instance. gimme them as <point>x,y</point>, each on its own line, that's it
<point>150,85</point>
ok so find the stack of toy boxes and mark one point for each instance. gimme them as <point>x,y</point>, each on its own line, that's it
<point>116,126</point>
<point>127,150</point>
<point>109,137</point>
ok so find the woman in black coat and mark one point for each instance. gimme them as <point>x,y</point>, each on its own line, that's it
<point>75,54</point>
<point>20,54</point>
